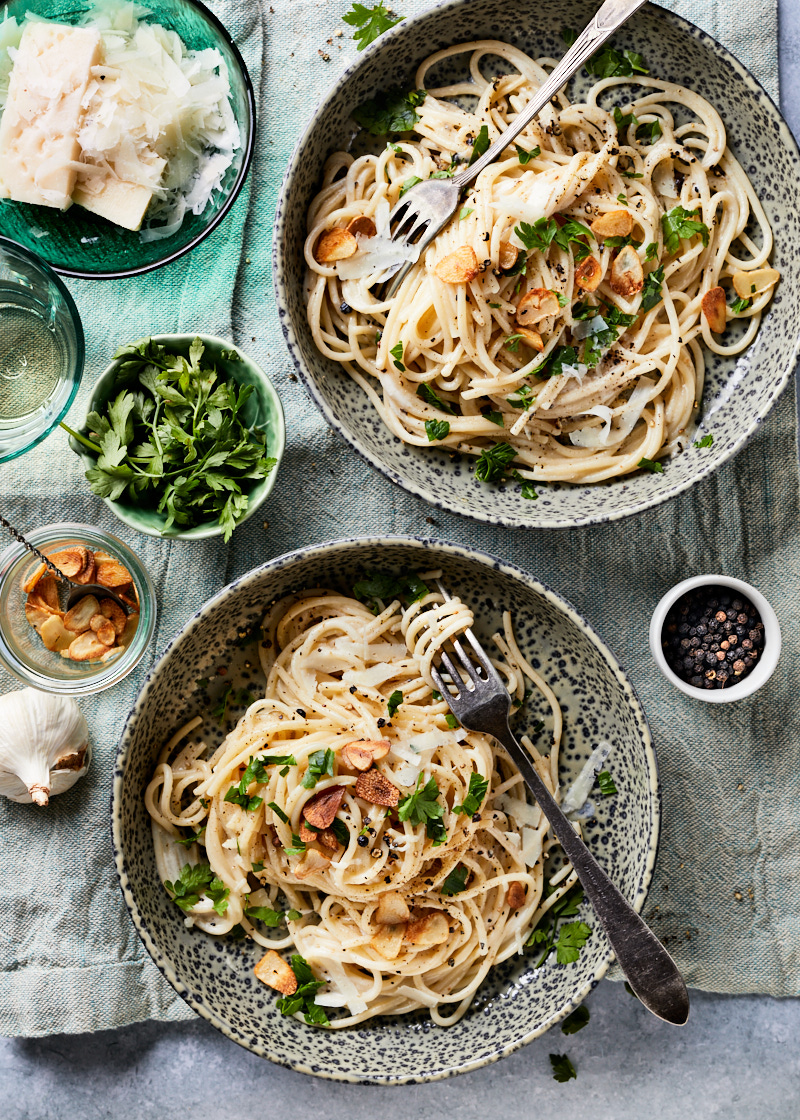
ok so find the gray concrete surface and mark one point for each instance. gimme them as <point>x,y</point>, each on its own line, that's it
<point>738,1057</point>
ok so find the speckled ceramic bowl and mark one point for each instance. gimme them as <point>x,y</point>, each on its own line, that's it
<point>516,1003</point>
<point>739,392</point>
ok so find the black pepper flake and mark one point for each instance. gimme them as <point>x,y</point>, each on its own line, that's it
<point>300,712</point>
<point>711,638</point>
<point>381,722</point>
<point>352,690</point>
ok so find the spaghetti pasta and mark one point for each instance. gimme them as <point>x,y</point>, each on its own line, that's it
<point>565,309</point>
<point>395,909</point>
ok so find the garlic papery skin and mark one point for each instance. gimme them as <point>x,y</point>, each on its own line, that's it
<point>44,745</point>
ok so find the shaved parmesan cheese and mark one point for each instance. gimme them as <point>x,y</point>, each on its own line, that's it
<point>150,120</point>
<point>578,792</point>
<point>578,371</point>
<point>594,437</point>
<point>39,127</point>
<point>586,327</point>
<point>375,256</point>
<point>531,846</point>
<point>521,811</point>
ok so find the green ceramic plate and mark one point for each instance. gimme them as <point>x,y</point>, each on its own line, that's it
<point>77,243</point>
<point>263,410</point>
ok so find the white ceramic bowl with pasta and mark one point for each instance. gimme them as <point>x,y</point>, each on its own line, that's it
<point>613,309</point>
<point>206,776</point>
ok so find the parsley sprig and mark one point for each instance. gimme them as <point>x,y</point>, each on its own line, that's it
<point>174,439</point>
<point>679,225</point>
<point>493,461</point>
<point>456,881</point>
<point>393,110</point>
<point>424,807</point>
<point>563,1069</point>
<point>385,586</point>
<point>320,763</point>
<point>566,940</point>
<point>370,22</point>
<point>475,795</point>
<point>256,771</point>
<point>196,880</point>
<point>303,999</point>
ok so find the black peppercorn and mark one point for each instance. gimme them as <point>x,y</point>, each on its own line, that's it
<point>712,639</point>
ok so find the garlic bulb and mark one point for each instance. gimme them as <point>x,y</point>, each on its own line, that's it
<point>44,745</point>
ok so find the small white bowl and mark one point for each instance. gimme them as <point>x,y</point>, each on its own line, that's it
<point>772,640</point>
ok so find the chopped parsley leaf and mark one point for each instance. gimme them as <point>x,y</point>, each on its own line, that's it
<point>395,700</point>
<point>187,841</point>
<point>279,813</point>
<point>428,395</point>
<point>544,933</point>
<point>611,63</point>
<point>537,235</point>
<point>623,198</point>
<point>569,35</point>
<point>606,783</point>
<point>370,22</point>
<point>571,939</point>
<point>679,225</point>
<point>650,465</point>
<point>293,915</point>
<point>263,914</point>
<point>623,120</point>
<point>573,231</point>
<point>391,111</point>
<point>632,174</point>
<point>475,795</point>
<point>495,417</point>
<point>740,305</point>
<point>523,398</point>
<point>649,132</point>
<point>706,441</point>
<point>451,720</point>
<point>397,356</point>
<point>526,488</point>
<point>196,880</point>
<point>576,1021</point>
<point>384,586</point>
<point>526,157</point>
<point>481,144</point>
<point>408,183</point>
<point>436,429</point>
<point>220,709</point>
<point>651,252</point>
<point>465,212</point>
<point>553,365</point>
<point>563,1069</point>
<point>651,292</point>
<point>493,461</point>
<point>320,763</point>
<point>423,805</point>
<point>303,999</point>
<point>456,881</point>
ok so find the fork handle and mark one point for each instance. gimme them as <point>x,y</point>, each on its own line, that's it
<point>608,19</point>
<point>651,971</point>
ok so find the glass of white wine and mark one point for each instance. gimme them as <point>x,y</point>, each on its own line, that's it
<point>41,349</point>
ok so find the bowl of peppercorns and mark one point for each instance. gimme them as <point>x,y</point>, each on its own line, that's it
<point>715,638</point>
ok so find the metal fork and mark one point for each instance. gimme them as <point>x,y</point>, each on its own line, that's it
<point>482,703</point>
<point>426,208</point>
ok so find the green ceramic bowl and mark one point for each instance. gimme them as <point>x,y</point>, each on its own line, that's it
<point>263,410</point>
<point>77,243</point>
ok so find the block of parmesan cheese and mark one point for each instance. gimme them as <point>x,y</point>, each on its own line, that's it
<point>122,203</point>
<point>39,127</point>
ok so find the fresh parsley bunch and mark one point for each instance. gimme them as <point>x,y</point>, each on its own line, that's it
<point>173,439</point>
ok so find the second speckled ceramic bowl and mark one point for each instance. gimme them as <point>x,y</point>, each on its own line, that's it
<point>739,392</point>
<point>516,1002</point>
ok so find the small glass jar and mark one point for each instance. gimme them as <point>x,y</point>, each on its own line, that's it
<point>22,650</point>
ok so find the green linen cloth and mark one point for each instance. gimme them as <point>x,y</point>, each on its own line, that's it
<point>724,896</point>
